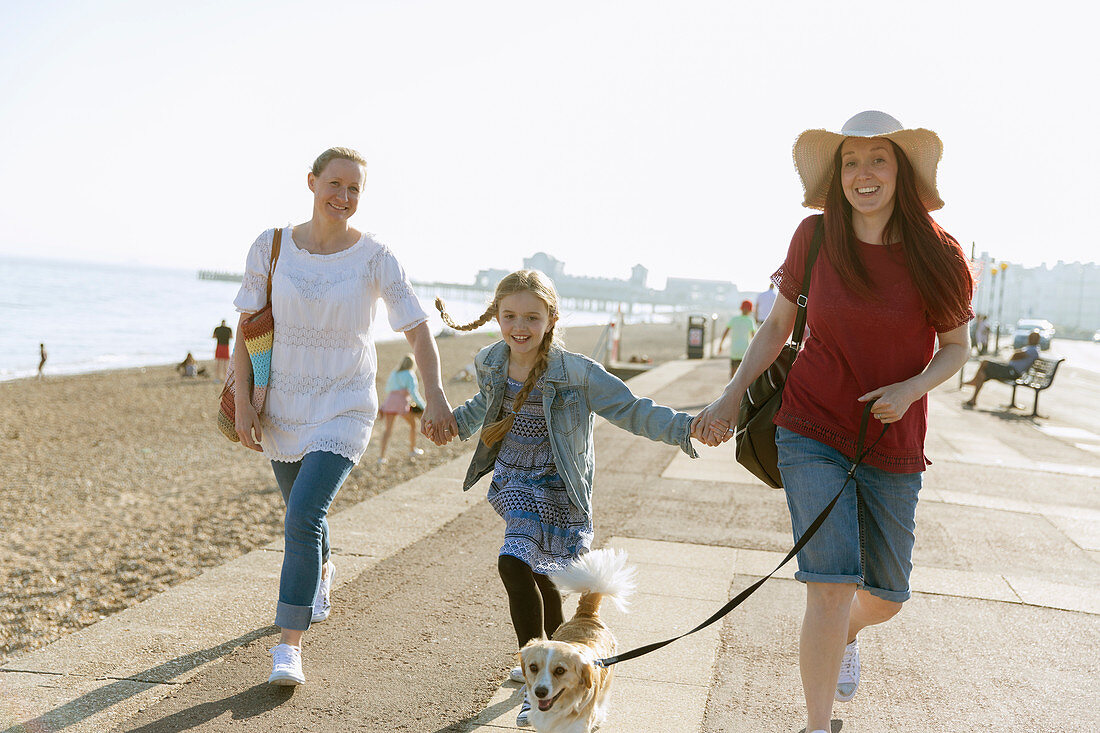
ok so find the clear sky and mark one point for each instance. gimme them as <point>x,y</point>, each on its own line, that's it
<point>604,133</point>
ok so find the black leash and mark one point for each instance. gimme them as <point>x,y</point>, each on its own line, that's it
<point>736,601</point>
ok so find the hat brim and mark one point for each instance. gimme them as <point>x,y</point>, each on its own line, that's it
<point>813,157</point>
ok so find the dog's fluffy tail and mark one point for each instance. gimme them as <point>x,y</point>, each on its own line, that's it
<point>597,574</point>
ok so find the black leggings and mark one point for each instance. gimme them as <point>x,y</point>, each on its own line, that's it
<point>533,601</point>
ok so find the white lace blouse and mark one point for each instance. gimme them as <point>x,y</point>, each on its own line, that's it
<point>321,395</point>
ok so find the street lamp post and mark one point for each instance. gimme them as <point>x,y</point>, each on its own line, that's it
<point>993,302</point>
<point>1001,312</point>
<point>991,312</point>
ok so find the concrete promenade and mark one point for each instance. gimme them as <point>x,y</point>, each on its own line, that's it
<point>1002,633</point>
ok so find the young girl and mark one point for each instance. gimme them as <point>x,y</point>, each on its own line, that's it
<point>401,386</point>
<point>535,410</point>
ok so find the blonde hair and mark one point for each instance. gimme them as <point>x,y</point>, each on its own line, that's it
<point>336,153</point>
<point>406,364</point>
<point>539,285</point>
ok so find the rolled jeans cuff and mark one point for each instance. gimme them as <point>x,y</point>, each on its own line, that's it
<point>295,618</point>
<point>895,596</point>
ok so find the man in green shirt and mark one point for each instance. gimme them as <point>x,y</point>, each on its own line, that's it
<point>742,328</point>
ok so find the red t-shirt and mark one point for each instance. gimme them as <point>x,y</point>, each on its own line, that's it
<point>857,345</point>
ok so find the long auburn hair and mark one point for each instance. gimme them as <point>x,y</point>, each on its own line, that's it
<point>538,284</point>
<point>935,260</point>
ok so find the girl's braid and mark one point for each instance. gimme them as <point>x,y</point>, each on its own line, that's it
<point>494,433</point>
<point>487,316</point>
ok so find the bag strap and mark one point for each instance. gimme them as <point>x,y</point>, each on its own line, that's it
<point>810,531</point>
<point>276,245</point>
<point>803,297</point>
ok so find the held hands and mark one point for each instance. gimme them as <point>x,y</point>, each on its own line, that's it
<point>892,401</point>
<point>697,432</point>
<point>715,424</point>
<point>438,424</point>
<point>247,422</point>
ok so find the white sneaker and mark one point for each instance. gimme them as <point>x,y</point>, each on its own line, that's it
<point>848,680</point>
<point>516,675</point>
<point>416,452</point>
<point>322,603</point>
<point>286,665</point>
<point>524,711</point>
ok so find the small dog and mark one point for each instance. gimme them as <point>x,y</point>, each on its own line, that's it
<point>568,692</point>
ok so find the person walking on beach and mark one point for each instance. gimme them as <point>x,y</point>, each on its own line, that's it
<point>742,327</point>
<point>401,388</point>
<point>223,334</point>
<point>535,408</point>
<point>41,360</point>
<point>764,303</point>
<point>888,284</point>
<point>981,334</point>
<point>321,401</point>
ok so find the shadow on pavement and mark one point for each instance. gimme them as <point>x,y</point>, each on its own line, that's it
<point>834,726</point>
<point>107,696</point>
<point>1006,413</point>
<point>489,713</point>
<point>251,702</point>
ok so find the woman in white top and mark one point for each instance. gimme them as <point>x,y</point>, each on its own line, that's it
<point>321,401</point>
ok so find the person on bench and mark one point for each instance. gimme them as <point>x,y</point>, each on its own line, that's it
<point>1020,362</point>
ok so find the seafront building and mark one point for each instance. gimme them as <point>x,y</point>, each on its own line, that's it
<point>1066,294</point>
<point>678,292</point>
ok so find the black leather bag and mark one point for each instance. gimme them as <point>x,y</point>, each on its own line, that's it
<point>755,435</point>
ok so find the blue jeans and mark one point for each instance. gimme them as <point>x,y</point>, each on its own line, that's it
<point>868,537</point>
<point>308,487</point>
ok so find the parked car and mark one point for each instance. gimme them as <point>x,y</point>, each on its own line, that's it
<point>1026,325</point>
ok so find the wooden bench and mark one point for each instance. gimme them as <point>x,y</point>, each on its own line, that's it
<point>1038,377</point>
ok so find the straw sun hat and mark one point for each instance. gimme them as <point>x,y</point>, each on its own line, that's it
<point>814,151</point>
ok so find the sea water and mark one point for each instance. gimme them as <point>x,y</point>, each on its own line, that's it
<point>106,316</point>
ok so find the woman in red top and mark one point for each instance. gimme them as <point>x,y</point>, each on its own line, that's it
<point>889,283</point>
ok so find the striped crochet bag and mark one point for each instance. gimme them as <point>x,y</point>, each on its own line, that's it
<point>258,333</point>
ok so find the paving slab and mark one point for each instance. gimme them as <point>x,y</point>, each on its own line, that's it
<point>1085,533</point>
<point>1038,591</point>
<point>37,703</point>
<point>156,641</point>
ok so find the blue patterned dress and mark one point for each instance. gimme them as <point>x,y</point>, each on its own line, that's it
<point>542,527</point>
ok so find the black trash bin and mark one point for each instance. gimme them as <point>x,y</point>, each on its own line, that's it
<point>696,337</point>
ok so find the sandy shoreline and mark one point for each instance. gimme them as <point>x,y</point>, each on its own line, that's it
<point>117,484</point>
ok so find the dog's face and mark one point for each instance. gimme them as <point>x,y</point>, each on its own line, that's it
<point>558,675</point>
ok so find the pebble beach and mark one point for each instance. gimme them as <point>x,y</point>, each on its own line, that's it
<point>118,485</point>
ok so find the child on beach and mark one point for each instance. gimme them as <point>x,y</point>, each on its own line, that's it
<point>401,386</point>
<point>535,408</point>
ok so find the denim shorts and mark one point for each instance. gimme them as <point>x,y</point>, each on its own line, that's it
<point>868,537</point>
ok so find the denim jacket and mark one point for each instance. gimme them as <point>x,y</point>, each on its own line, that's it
<point>574,390</point>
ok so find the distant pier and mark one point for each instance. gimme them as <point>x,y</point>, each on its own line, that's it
<point>575,294</point>
<point>232,277</point>
<point>569,301</point>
